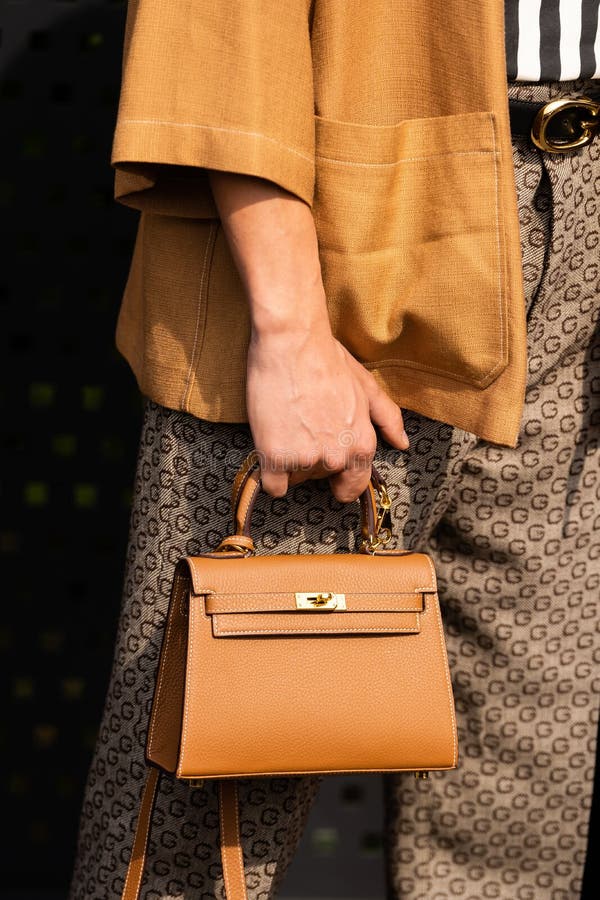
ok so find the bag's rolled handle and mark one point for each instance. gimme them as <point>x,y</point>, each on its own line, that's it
<point>374,507</point>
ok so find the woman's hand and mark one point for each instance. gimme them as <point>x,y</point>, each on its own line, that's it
<point>311,404</point>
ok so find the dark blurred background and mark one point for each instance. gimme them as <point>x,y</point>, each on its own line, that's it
<point>71,414</point>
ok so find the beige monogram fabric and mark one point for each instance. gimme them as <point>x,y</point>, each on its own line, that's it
<point>515,534</point>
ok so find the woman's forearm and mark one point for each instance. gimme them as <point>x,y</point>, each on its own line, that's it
<point>273,240</point>
<point>311,404</point>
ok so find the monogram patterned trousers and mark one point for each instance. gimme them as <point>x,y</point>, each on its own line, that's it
<point>515,536</point>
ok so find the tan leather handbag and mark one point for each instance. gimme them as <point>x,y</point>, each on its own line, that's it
<point>296,664</point>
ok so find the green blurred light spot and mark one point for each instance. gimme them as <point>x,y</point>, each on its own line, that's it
<point>42,393</point>
<point>23,687</point>
<point>64,444</point>
<point>72,688</point>
<point>52,641</point>
<point>18,783</point>
<point>93,39</point>
<point>324,841</point>
<point>10,541</point>
<point>85,495</point>
<point>81,143</point>
<point>8,192</point>
<point>44,735</point>
<point>36,493</point>
<point>34,145</point>
<point>111,447</point>
<point>371,843</point>
<point>92,396</point>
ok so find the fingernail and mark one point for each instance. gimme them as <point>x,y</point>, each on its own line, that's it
<point>405,440</point>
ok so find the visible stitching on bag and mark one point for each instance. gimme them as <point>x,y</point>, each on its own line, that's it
<point>192,613</point>
<point>232,610</point>
<point>293,630</point>
<point>259,134</point>
<point>202,307</point>
<point>244,481</point>
<point>346,162</point>
<point>170,629</point>
<point>430,587</point>
<point>333,771</point>
<point>447,677</point>
<point>249,606</point>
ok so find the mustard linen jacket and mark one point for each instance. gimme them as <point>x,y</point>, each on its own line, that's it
<point>390,119</point>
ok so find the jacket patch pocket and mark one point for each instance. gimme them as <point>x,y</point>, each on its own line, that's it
<point>408,218</point>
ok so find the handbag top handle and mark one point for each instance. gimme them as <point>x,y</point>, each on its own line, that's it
<point>375,507</point>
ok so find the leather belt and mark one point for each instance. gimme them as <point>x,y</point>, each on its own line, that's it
<point>557,126</point>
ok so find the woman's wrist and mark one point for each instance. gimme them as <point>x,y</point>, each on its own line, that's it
<point>277,312</point>
<point>273,240</point>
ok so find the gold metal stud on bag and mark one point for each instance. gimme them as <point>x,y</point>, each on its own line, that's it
<point>242,626</point>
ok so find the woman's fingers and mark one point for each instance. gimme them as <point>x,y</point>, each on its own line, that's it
<point>384,413</point>
<point>274,481</point>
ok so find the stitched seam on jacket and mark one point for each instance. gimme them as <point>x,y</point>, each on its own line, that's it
<point>258,134</point>
<point>500,363</point>
<point>407,159</point>
<point>201,308</point>
<point>447,677</point>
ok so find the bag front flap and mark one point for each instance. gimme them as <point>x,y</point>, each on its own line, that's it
<point>313,593</point>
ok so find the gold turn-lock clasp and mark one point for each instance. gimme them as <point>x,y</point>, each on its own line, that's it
<point>320,600</point>
<point>565,124</point>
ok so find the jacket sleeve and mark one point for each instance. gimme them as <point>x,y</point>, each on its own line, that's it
<point>219,84</point>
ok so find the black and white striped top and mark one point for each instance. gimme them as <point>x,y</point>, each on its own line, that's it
<point>552,40</point>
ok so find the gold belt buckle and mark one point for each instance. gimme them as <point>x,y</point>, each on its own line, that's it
<point>579,129</point>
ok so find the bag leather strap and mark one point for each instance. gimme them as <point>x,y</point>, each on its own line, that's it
<point>232,859</point>
<point>244,492</point>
